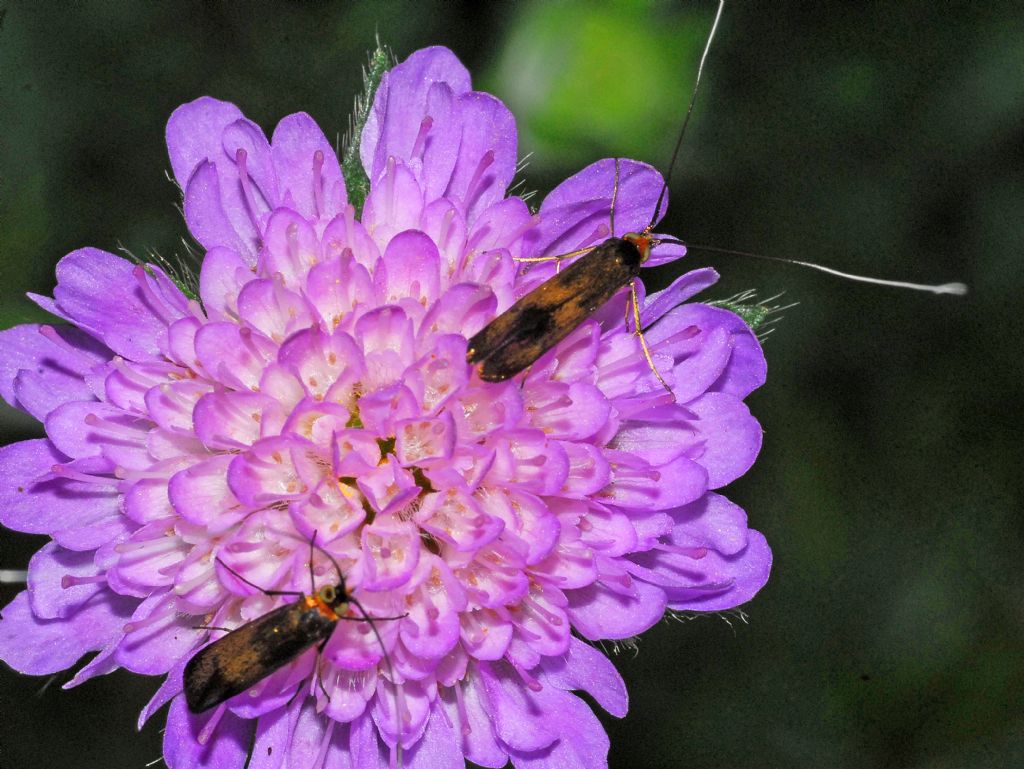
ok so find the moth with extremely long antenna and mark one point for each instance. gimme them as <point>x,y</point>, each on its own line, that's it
<point>251,652</point>
<point>550,312</point>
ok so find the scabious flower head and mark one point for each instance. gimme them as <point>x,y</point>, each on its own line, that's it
<point>319,387</point>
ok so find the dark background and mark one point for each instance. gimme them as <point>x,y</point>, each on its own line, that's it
<point>883,138</point>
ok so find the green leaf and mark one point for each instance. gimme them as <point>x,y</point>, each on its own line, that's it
<point>356,180</point>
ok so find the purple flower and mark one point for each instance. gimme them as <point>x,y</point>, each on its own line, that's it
<point>320,387</point>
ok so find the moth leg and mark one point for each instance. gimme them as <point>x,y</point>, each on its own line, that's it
<point>643,342</point>
<point>557,258</point>
<point>615,197</point>
<point>320,668</point>
<point>211,627</point>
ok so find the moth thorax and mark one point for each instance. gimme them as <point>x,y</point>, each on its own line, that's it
<point>642,241</point>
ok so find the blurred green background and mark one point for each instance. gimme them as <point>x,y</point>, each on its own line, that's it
<point>885,138</point>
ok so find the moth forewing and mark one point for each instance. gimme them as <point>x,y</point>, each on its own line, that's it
<point>250,653</point>
<point>549,313</point>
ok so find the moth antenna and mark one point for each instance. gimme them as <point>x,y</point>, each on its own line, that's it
<point>376,634</point>
<point>955,289</point>
<point>686,120</point>
<point>13,576</point>
<point>253,584</point>
<point>334,563</point>
<point>391,675</point>
<point>312,578</point>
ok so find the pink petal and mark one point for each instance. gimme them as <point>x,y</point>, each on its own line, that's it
<point>728,581</point>
<point>406,96</point>
<point>273,310</point>
<point>518,724</point>
<point>431,629</point>
<point>295,144</point>
<point>39,647</point>
<point>391,550</point>
<point>395,204</point>
<point>409,268</point>
<point>487,156</point>
<point>47,570</point>
<point>585,668</point>
<point>439,747</point>
<point>597,612</point>
<point>577,212</point>
<point>188,746</point>
<point>50,373</point>
<point>682,288</point>
<point>290,248</point>
<point>732,437</point>
<point>194,133</point>
<point>34,502</point>
<point>232,355</point>
<point>478,740</point>
<point>582,742</point>
<point>712,522</point>
<point>207,219</point>
<point>102,295</point>
<point>221,277</point>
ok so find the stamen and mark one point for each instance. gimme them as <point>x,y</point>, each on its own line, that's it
<point>71,580</point>
<point>189,585</point>
<point>325,744</point>
<point>156,473</point>
<point>318,181</point>
<point>524,228</point>
<point>389,184</point>
<point>547,614</point>
<point>148,547</point>
<point>158,615</point>
<point>485,162</point>
<point>421,137</point>
<point>247,191</point>
<point>153,300</point>
<point>247,339</point>
<point>431,610</point>
<point>460,708</point>
<point>620,579</point>
<point>243,546</point>
<point>76,475</point>
<point>531,683</point>
<point>350,221</point>
<point>695,553</point>
<point>527,635</point>
<point>50,333</point>
<point>113,428</point>
<point>446,225</point>
<point>197,310</point>
<point>131,374</point>
<point>207,732</point>
<point>186,402</point>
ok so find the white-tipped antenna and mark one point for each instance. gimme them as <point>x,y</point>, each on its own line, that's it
<point>13,576</point>
<point>955,289</point>
<point>689,112</point>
